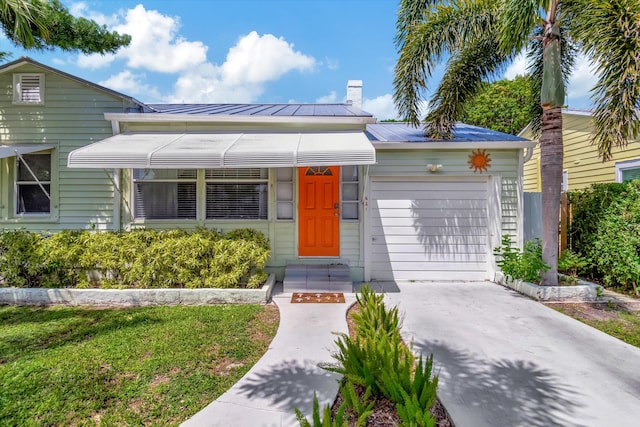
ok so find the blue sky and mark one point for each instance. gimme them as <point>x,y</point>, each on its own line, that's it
<point>251,51</point>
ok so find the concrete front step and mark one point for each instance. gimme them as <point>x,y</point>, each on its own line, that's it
<point>317,278</point>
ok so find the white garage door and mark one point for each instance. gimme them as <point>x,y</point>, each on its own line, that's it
<point>429,229</point>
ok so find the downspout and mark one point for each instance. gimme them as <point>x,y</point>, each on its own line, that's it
<point>117,194</point>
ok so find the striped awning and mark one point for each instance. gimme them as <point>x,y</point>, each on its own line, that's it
<point>166,150</point>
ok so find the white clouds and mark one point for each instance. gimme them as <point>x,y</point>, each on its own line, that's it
<point>254,61</point>
<point>131,84</point>
<point>258,59</point>
<point>517,68</point>
<point>332,98</point>
<point>155,43</point>
<point>382,107</point>
<point>582,80</point>
<point>157,46</point>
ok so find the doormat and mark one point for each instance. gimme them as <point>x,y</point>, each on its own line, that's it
<point>317,297</point>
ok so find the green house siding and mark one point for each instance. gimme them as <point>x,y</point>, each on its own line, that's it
<point>71,117</point>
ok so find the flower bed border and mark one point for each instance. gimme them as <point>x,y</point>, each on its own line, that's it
<point>136,297</point>
<point>581,291</point>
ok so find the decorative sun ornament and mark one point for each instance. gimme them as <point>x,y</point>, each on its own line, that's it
<point>479,161</point>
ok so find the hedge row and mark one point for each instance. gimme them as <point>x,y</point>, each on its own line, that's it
<point>135,259</point>
<point>605,230</point>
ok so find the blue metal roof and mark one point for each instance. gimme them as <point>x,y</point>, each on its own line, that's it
<point>285,110</point>
<point>403,132</point>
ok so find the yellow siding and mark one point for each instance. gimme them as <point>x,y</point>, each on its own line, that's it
<point>581,160</point>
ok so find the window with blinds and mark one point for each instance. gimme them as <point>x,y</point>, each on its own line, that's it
<point>177,193</point>
<point>237,193</point>
<point>28,88</point>
<point>165,193</point>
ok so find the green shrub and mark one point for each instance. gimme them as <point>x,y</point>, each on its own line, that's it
<point>527,265</point>
<point>588,207</point>
<point>21,261</point>
<point>136,259</point>
<point>571,263</point>
<point>616,250</point>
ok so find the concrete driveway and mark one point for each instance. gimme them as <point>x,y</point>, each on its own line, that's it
<point>506,361</point>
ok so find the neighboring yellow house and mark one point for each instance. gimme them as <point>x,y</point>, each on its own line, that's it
<point>582,165</point>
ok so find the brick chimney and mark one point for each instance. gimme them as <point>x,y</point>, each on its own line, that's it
<point>354,93</point>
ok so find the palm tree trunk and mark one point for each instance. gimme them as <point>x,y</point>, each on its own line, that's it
<point>551,158</point>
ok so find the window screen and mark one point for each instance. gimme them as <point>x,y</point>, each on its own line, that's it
<point>33,192</point>
<point>237,193</point>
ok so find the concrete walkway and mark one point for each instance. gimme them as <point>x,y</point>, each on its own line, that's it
<point>507,361</point>
<point>288,374</point>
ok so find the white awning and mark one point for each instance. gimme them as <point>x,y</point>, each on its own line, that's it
<point>14,150</point>
<point>166,150</point>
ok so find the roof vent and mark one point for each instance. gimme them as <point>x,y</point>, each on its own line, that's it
<point>354,93</point>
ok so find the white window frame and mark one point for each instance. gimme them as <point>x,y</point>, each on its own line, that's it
<point>288,184</point>
<point>201,182</point>
<point>236,180</point>
<point>17,88</point>
<point>135,180</point>
<point>355,201</point>
<point>35,181</point>
<point>628,164</point>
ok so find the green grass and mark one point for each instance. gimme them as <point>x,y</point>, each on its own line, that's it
<point>626,327</point>
<point>151,366</point>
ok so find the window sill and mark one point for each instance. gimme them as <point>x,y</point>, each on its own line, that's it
<point>31,219</point>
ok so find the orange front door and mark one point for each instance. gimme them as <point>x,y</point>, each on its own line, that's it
<point>319,211</point>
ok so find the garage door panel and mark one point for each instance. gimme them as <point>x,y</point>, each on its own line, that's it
<point>434,235</point>
<point>429,230</point>
<point>427,223</point>
<point>430,257</point>
<point>424,196</point>
<point>428,275</point>
<point>438,204</point>
<point>403,247</point>
<point>433,185</point>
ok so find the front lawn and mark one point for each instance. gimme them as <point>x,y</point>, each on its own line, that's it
<point>620,322</point>
<point>137,366</point>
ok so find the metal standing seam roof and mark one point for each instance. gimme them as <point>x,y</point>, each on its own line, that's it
<point>283,110</point>
<point>391,132</point>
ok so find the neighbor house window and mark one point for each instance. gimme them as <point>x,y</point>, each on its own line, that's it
<point>284,193</point>
<point>28,88</point>
<point>237,193</point>
<point>627,171</point>
<point>164,193</point>
<point>33,184</point>
<point>349,194</point>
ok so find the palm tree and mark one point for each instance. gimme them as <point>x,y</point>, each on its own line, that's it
<point>481,37</point>
<point>48,24</point>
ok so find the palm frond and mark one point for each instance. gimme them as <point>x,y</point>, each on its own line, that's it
<point>610,35</point>
<point>519,18</point>
<point>464,77</point>
<point>21,21</point>
<point>424,39</point>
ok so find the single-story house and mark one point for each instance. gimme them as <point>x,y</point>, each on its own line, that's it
<point>582,165</point>
<point>325,183</point>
